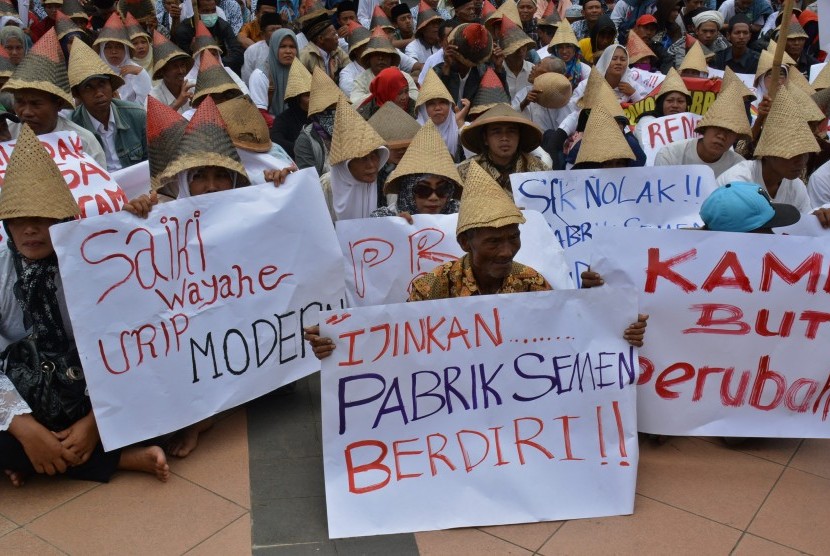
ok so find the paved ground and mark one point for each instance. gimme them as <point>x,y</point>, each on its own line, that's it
<point>255,485</point>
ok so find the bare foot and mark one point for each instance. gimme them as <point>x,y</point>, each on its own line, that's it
<point>149,459</point>
<point>18,479</point>
<point>186,440</point>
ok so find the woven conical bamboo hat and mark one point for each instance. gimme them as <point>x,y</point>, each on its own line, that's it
<point>487,9</point>
<point>379,20</point>
<point>85,63</point>
<point>165,128</point>
<point>246,126</point>
<point>324,92</point>
<point>33,185</point>
<point>796,31</point>
<point>212,79</point>
<point>809,109</point>
<point>550,16</point>
<point>490,93</point>
<point>797,79</point>
<point>530,135</point>
<point>353,137</point>
<point>728,111</point>
<point>44,69</point>
<point>299,80</point>
<point>358,36</point>
<point>474,42</point>
<point>433,88</point>
<point>673,83</point>
<point>822,100</point>
<point>484,204</point>
<point>134,28</point>
<point>554,90</point>
<point>203,40</point>
<point>425,15</point>
<point>786,133</point>
<point>311,9</point>
<point>765,63</point>
<point>695,60</point>
<point>114,31</point>
<point>139,9</point>
<point>603,140</point>
<point>396,127</point>
<point>379,42</point>
<point>164,51</point>
<point>822,80</point>
<point>513,38</point>
<point>205,142</point>
<point>731,79</point>
<point>6,66</point>
<point>507,10</point>
<point>427,154</point>
<point>599,93</point>
<point>64,25</point>
<point>637,49</point>
<point>73,9</point>
<point>564,35</point>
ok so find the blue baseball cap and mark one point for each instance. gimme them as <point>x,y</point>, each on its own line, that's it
<point>745,207</point>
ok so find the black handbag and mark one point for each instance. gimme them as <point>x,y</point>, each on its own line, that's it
<point>52,384</point>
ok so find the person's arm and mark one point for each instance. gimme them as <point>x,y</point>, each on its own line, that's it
<point>44,450</point>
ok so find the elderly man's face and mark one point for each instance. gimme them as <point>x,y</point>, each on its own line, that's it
<point>492,250</point>
<point>39,109</point>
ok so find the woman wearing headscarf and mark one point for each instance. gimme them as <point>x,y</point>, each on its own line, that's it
<point>613,64</point>
<point>673,98</point>
<point>311,149</point>
<point>565,46</point>
<point>267,84</point>
<point>435,104</point>
<point>115,49</point>
<point>13,40</point>
<point>389,85</point>
<point>290,122</point>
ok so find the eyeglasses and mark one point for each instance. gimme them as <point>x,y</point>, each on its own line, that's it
<point>425,191</point>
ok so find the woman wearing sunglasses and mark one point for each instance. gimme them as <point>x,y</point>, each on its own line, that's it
<point>420,192</point>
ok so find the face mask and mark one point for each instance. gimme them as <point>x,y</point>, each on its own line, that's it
<point>209,19</point>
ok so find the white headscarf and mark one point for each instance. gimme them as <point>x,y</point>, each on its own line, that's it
<point>605,61</point>
<point>353,198</point>
<point>135,87</point>
<point>448,128</point>
<point>184,178</point>
<point>710,15</point>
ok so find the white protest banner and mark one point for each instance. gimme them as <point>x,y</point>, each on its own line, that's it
<point>738,340</point>
<point>383,255</point>
<point>201,306</point>
<point>648,80</point>
<point>663,131</point>
<point>824,24</point>
<point>815,69</point>
<point>134,180</point>
<point>23,12</point>
<point>807,225</point>
<point>577,202</point>
<point>479,410</point>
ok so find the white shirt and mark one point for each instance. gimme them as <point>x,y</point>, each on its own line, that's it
<point>517,82</point>
<point>685,152</point>
<point>791,192</point>
<point>258,85</point>
<point>818,188</point>
<point>162,93</point>
<point>256,56</point>
<point>407,61</point>
<point>431,62</point>
<point>90,144</point>
<point>546,118</point>
<point>107,135</point>
<point>418,50</point>
<point>347,76</point>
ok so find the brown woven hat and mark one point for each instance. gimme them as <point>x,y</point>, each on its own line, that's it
<point>564,35</point>
<point>731,79</point>
<point>139,9</point>
<point>311,9</point>
<point>822,100</point>
<point>379,19</point>
<point>64,25</point>
<point>599,93</point>
<point>114,31</point>
<point>673,83</point>
<point>694,60</point>
<point>6,66</point>
<point>396,127</point>
<point>431,89</point>
<point>475,45</point>
<point>809,109</point>
<point>425,15</point>
<point>74,10</point>
<point>554,89</point>
<point>530,135</point>
<point>134,28</point>
<point>358,36</point>
<point>765,63</point>
<point>796,31</point>
<point>33,185</point>
<point>507,10</point>
<point>379,42</point>
<point>512,37</point>
<point>786,133</point>
<point>299,80</point>
<point>203,40</point>
<point>85,63</point>
<point>246,126</point>
<point>484,204</point>
<point>427,154</point>
<point>822,80</point>
<point>44,69</point>
<point>637,49</point>
<point>353,137</point>
<point>490,93</point>
<point>487,9</point>
<point>728,112</point>
<point>603,140</point>
<point>164,51</point>
<point>205,142</point>
<point>550,17</point>
<point>797,79</point>
<point>324,92</point>
<point>165,128</point>
<point>212,79</point>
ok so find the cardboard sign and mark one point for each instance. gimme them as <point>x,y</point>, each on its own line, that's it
<point>480,410</point>
<point>201,306</point>
<point>382,256</point>
<point>660,132</point>
<point>575,203</point>
<point>738,340</point>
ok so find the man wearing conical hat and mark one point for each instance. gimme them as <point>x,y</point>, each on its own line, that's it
<point>323,49</point>
<point>468,47</point>
<point>426,41</point>
<point>378,55</point>
<point>170,67</point>
<point>781,156</point>
<point>739,56</point>
<point>119,125</point>
<point>221,31</point>
<point>34,438</point>
<point>796,41</point>
<point>358,40</point>
<point>40,86</point>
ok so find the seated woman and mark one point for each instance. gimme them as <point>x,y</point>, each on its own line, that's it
<point>419,191</point>
<point>37,436</point>
<point>673,98</point>
<point>389,85</point>
<point>566,47</point>
<point>290,122</point>
<point>311,149</point>
<point>115,49</point>
<point>613,65</point>
<point>435,103</point>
